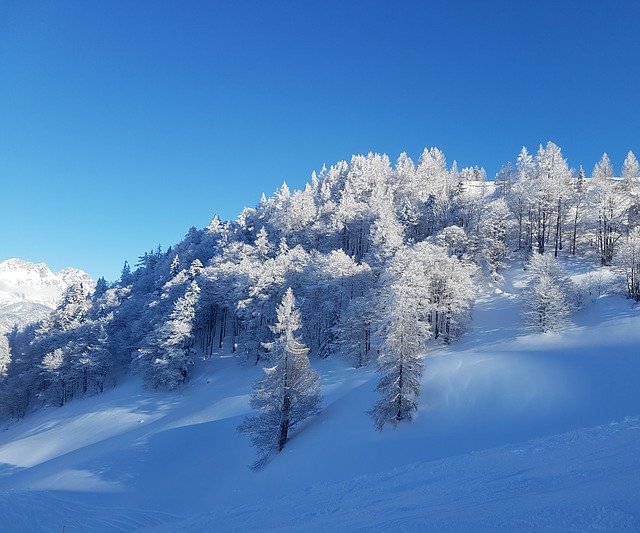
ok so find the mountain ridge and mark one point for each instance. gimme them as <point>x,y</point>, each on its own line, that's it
<point>29,291</point>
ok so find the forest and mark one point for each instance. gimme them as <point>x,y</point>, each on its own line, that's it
<point>371,261</point>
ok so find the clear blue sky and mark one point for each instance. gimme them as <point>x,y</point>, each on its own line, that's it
<point>122,123</point>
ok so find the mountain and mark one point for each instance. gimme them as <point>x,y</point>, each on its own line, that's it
<point>29,291</point>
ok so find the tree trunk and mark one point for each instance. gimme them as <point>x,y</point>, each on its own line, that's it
<point>284,424</point>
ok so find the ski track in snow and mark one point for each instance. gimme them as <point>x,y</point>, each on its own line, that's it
<point>514,431</point>
<point>551,483</point>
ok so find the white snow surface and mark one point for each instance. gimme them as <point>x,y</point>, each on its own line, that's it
<point>515,431</point>
<point>29,291</point>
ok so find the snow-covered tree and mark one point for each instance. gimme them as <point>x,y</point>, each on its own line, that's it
<point>539,198</point>
<point>70,312</point>
<point>288,393</point>
<point>547,305</point>
<point>166,354</point>
<point>631,174</point>
<point>608,209</point>
<point>578,207</point>
<point>403,330</point>
<point>5,356</point>
<point>628,258</point>
<point>494,229</point>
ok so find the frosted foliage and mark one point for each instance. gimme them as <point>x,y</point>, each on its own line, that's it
<point>456,241</point>
<point>175,266</point>
<point>540,198</point>
<point>628,258</point>
<point>166,355</point>
<point>424,294</point>
<point>608,206</point>
<point>443,284</point>
<point>547,299</point>
<point>5,356</point>
<point>262,243</point>
<point>631,175</point>
<point>53,360</point>
<point>71,311</point>
<point>603,169</point>
<point>288,393</point>
<point>495,226</point>
<point>362,240</point>
<point>630,167</point>
<point>405,332</point>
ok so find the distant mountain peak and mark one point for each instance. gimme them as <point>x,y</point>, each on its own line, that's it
<point>29,290</point>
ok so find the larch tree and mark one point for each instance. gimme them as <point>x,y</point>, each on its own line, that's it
<point>289,391</point>
<point>609,209</point>
<point>402,330</point>
<point>578,204</point>
<point>631,173</point>
<point>628,258</point>
<point>423,293</point>
<point>494,228</point>
<point>548,304</point>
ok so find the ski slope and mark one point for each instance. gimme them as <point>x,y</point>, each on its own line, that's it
<point>514,431</point>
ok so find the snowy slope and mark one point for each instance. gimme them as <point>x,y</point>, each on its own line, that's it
<point>28,291</point>
<point>513,431</point>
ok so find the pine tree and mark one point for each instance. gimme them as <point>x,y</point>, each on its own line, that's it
<point>166,354</point>
<point>288,393</point>
<point>101,287</point>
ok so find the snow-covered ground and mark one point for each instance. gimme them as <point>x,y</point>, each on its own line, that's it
<point>514,431</point>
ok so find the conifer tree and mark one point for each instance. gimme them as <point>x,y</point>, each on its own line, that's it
<point>5,356</point>
<point>548,304</point>
<point>166,354</point>
<point>628,258</point>
<point>400,360</point>
<point>631,174</point>
<point>288,393</point>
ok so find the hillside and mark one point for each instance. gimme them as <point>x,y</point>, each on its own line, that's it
<point>514,430</point>
<point>465,321</point>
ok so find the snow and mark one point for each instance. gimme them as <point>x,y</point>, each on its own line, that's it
<point>28,291</point>
<point>514,431</point>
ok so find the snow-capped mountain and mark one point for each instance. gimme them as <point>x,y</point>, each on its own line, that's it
<point>28,291</point>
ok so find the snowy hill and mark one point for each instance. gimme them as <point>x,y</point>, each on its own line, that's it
<point>514,431</point>
<point>28,291</point>
<point>507,395</point>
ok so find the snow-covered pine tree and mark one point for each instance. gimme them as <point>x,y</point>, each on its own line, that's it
<point>288,393</point>
<point>166,354</point>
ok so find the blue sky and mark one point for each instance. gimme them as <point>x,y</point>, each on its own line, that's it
<point>123,123</point>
